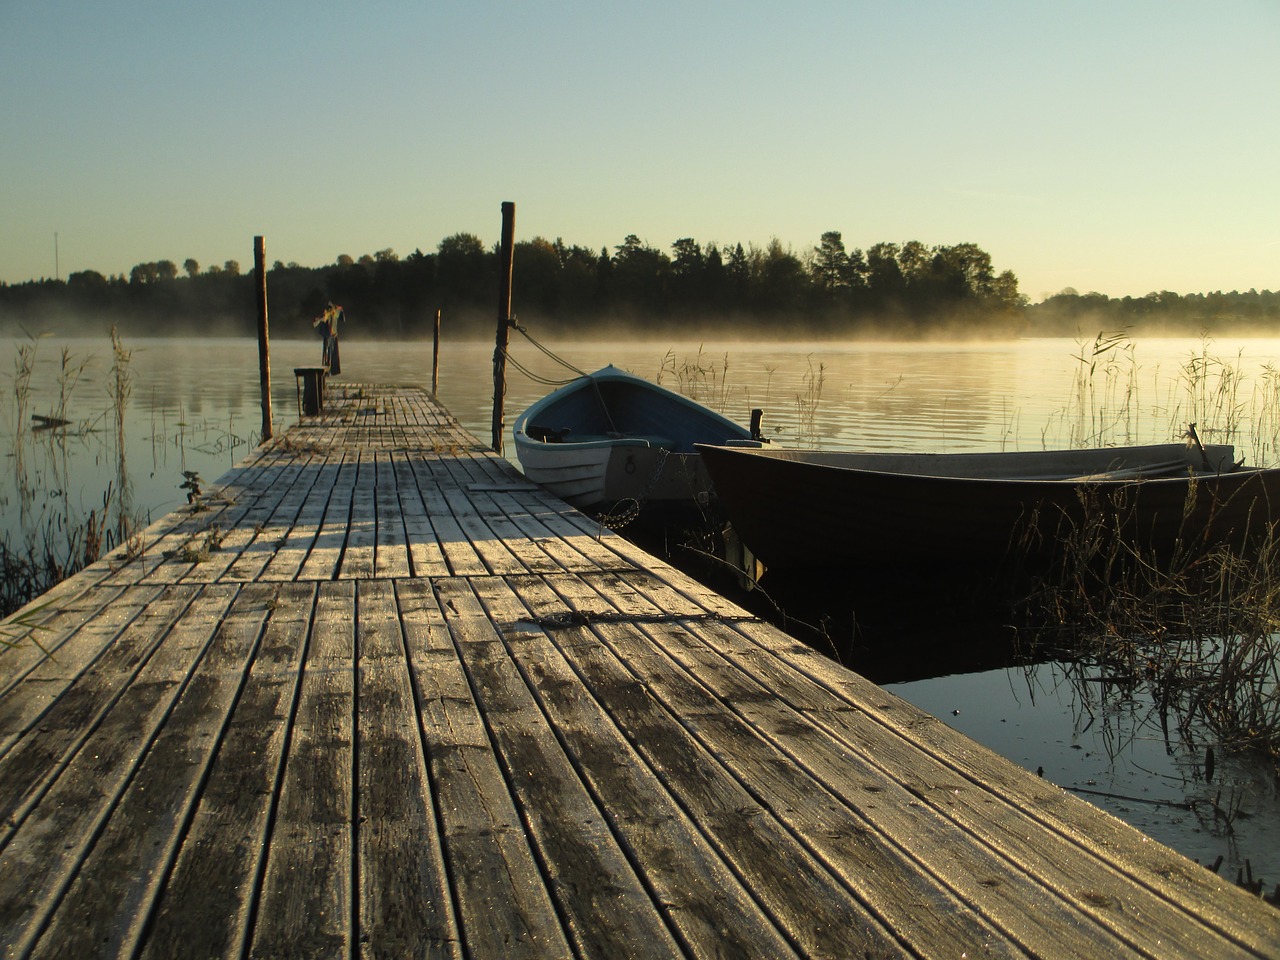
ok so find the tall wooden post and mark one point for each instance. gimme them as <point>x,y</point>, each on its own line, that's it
<point>435,357</point>
<point>264,349</point>
<point>504,321</point>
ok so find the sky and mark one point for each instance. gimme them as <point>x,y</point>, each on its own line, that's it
<point>1123,147</point>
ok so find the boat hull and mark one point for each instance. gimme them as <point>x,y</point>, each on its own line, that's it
<point>613,440</point>
<point>797,510</point>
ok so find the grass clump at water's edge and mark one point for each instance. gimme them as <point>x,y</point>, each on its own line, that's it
<point>58,544</point>
<point>1189,647</point>
<point>1199,626</point>
<point>1199,630</point>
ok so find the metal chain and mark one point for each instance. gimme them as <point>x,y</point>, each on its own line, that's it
<point>583,618</point>
<point>616,521</point>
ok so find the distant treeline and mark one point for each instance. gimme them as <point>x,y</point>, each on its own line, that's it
<point>1191,314</point>
<point>890,290</point>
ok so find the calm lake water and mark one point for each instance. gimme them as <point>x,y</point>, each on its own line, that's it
<point>193,405</point>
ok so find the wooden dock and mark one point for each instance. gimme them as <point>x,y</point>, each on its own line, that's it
<point>376,695</point>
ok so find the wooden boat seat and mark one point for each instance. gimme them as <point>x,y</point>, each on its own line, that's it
<point>547,434</point>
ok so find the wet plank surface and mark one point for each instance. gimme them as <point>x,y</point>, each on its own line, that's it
<point>377,695</point>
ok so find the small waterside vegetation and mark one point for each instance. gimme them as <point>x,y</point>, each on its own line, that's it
<point>1191,633</point>
<point>53,525</point>
<point>1187,647</point>
<point>1198,625</point>
<point>1114,401</point>
<point>52,540</point>
<point>706,380</point>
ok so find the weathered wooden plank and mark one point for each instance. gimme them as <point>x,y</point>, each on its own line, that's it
<point>457,548</point>
<point>812,899</point>
<point>996,788</point>
<point>496,554</point>
<point>609,911</point>
<point>210,896</point>
<point>405,907</point>
<point>500,896</point>
<point>132,561</point>
<point>602,546</point>
<point>530,518</point>
<point>255,539</point>
<point>306,906</point>
<point>426,558</point>
<point>362,534</point>
<point>493,552</point>
<point>209,522</point>
<point>874,832</point>
<point>773,697</point>
<point>326,552</point>
<point>294,536</point>
<point>47,735</point>
<point>115,887</point>
<point>74,638</point>
<point>392,555</point>
<point>48,625</point>
<point>501,521</point>
<point>42,857</point>
<point>240,541</point>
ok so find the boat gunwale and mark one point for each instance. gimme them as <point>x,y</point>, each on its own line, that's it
<point>803,458</point>
<point>612,374</point>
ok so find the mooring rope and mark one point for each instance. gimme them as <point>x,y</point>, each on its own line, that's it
<point>536,377</point>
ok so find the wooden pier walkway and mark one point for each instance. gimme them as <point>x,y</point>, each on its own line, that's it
<point>377,696</point>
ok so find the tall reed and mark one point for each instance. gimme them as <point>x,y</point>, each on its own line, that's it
<point>699,378</point>
<point>1199,631</point>
<point>24,367</point>
<point>1103,404</point>
<point>807,401</point>
<point>121,387</point>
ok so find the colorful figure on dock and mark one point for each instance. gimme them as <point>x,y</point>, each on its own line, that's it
<point>328,324</point>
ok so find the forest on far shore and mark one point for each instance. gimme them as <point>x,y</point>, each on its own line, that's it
<point>890,290</point>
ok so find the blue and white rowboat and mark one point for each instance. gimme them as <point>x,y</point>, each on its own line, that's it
<point>611,437</point>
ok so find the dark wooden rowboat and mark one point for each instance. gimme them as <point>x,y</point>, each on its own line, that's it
<point>798,509</point>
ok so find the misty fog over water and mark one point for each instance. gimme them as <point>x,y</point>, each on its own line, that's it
<point>194,405</point>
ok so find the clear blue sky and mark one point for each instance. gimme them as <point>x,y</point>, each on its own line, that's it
<point>1115,146</point>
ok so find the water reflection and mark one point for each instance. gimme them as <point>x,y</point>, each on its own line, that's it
<point>1106,742</point>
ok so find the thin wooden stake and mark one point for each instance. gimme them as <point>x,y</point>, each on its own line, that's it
<point>435,357</point>
<point>264,349</point>
<point>504,321</point>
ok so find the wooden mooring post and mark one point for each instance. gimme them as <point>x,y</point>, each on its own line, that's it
<point>504,322</point>
<point>435,357</point>
<point>264,349</point>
